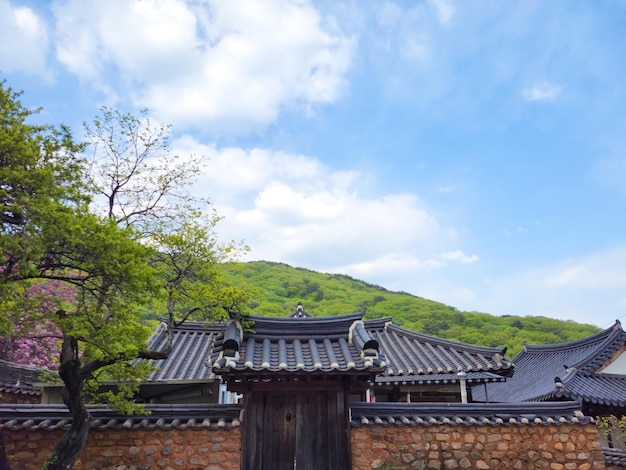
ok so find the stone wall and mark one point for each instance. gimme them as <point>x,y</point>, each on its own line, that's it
<point>18,397</point>
<point>190,449</point>
<point>552,447</point>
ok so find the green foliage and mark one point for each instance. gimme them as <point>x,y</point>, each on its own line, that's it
<point>40,191</point>
<point>612,425</point>
<point>117,385</point>
<point>277,288</point>
<point>121,231</point>
<point>190,263</point>
<point>51,460</point>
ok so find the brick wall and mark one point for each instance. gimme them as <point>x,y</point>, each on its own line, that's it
<point>190,449</point>
<point>552,447</point>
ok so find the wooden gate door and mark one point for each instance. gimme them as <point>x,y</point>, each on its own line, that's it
<point>295,430</point>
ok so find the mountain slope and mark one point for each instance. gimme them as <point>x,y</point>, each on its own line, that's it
<point>279,287</point>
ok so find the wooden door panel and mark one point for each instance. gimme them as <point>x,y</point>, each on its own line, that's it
<point>303,431</point>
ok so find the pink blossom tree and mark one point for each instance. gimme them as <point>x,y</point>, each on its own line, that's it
<point>35,338</point>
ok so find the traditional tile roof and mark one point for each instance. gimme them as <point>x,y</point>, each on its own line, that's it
<point>565,371</point>
<point>614,457</point>
<point>298,344</point>
<point>467,414</point>
<point>438,379</point>
<point>599,389</point>
<point>191,348</point>
<point>18,378</point>
<point>50,417</point>
<point>418,358</point>
<point>305,344</point>
<point>32,417</point>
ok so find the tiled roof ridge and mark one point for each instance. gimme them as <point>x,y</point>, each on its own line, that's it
<point>15,365</point>
<point>607,350</point>
<point>281,326</point>
<point>566,387</point>
<point>193,325</point>
<point>420,414</point>
<point>309,345</point>
<point>601,347</point>
<point>20,378</point>
<point>21,390</point>
<point>32,417</point>
<point>378,323</point>
<point>445,342</point>
<point>599,338</point>
<point>614,456</point>
<point>438,378</point>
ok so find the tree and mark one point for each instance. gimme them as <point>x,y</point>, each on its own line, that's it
<point>40,184</point>
<point>146,188</point>
<point>120,229</point>
<point>35,340</point>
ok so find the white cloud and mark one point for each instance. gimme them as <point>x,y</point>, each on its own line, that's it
<point>459,256</point>
<point>543,91</point>
<point>293,209</point>
<point>217,66</point>
<point>600,271</point>
<point>589,289</point>
<point>23,41</point>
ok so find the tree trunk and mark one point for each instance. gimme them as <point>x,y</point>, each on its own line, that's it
<point>71,444</point>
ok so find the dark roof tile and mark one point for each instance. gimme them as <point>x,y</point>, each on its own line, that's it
<point>192,344</point>
<point>18,378</point>
<point>468,414</point>
<point>415,354</point>
<point>615,457</point>
<point>565,370</point>
<point>301,345</point>
<point>32,417</point>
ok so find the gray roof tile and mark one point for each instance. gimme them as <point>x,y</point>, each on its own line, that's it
<point>18,378</point>
<point>428,379</point>
<point>599,389</point>
<point>467,414</point>
<point>565,370</point>
<point>615,457</point>
<point>415,354</point>
<point>305,344</point>
<point>300,344</point>
<point>51,417</point>
<point>32,417</point>
<point>192,344</point>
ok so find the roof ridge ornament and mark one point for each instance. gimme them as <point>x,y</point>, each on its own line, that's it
<point>369,347</point>
<point>229,355</point>
<point>299,312</point>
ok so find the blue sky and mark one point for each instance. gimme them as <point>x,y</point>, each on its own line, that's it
<point>470,152</point>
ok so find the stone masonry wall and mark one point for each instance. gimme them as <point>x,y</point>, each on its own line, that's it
<point>441,447</point>
<point>552,447</point>
<point>167,449</point>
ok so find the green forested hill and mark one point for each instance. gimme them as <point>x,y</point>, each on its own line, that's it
<point>278,288</point>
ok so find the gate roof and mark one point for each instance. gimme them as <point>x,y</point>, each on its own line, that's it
<point>298,345</point>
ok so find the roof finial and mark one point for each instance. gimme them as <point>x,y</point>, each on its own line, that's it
<point>299,312</point>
